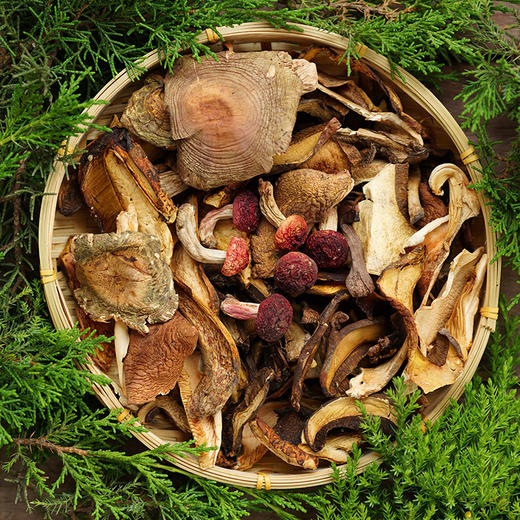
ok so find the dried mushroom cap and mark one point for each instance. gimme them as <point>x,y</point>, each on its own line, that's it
<point>311,193</point>
<point>382,228</point>
<point>336,449</point>
<point>205,430</point>
<point>431,319</point>
<point>146,115</point>
<point>345,343</point>
<point>343,412</point>
<point>154,362</point>
<point>168,405</point>
<point>227,114</point>
<point>219,355</point>
<point>287,451</point>
<point>114,173</point>
<point>123,277</point>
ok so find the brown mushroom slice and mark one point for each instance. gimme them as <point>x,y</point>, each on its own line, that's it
<point>359,283</point>
<point>337,448</point>
<point>105,352</point>
<point>192,275</point>
<point>288,452</point>
<point>146,115</point>
<point>226,114</point>
<point>382,228</point>
<point>365,172</point>
<point>321,108</point>
<point>265,255</point>
<point>154,362</point>
<point>122,276</point>
<point>295,339</point>
<point>463,205</point>
<point>205,430</point>
<point>114,172</point>
<point>333,158</point>
<point>219,355</point>
<point>69,200</point>
<point>309,350</point>
<point>311,193</point>
<point>169,406</point>
<point>461,322</point>
<point>306,143</point>
<point>431,319</point>
<point>254,397</point>
<point>223,196</point>
<point>343,412</point>
<point>171,182</point>
<point>345,343</point>
<point>415,210</point>
<point>433,206</point>
<point>388,118</point>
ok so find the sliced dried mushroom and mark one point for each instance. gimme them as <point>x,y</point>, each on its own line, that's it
<point>168,405</point>
<point>364,172</point>
<point>397,284</point>
<point>114,172</point>
<point>122,276</point>
<point>264,254</point>
<point>146,115</point>
<point>154,362</point>
<point>295,339</point>
<point>206,429</point>
<point>228,122</point>
<point>336,448</point>
<point>287,451</point>
<point>171,182</point>
<point>219,355</point>
<point>434,206</point>
<point>431,319</point>
<point>343,412</point>
<point>382,228</point>
<point>223,196</point>
<point>311,193</point>
<point>336,367</point>
<point>70,200</point>
<point>463,205</point>
<point>415,210</point>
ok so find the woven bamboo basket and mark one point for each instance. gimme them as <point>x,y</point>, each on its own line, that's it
<point>54,230</point>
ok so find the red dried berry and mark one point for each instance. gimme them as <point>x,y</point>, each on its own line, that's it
<point>237,257</point>
<point>295,273</point>
<point>246,211</point>
<point>291,234</point>
<point>274,317</point>
<point>329,249</point>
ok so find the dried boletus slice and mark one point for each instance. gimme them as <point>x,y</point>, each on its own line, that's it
<point>226,114</point>
<point>146,115</point>
<point>336,367</point>
<point>168,405</point>
<point>154,362</point>
<point>219,355</point>
<point>343,412</point>
<point>336,449</point>
<point>206,430</point>
<point>382,227</point>
<point>287,451</point>
<point>122,276</point>
<point>114,172</point>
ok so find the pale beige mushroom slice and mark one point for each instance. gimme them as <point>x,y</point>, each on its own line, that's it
<point>397,284</point>
<point>463,205</point>
<point>231,116</point>
<point>337,448</point>
<point>415,209</point>
<point>168,405</point>
<point>206,430</point>
<point>431,319</point>
<point>382,227</point>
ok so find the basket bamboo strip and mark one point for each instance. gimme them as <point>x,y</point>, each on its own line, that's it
<point>54,230</point>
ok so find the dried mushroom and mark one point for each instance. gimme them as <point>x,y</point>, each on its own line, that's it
<point>114,172</point>
<point>264,255</point>
<point>164,348</point>
<point>168,405</point>
<point>123,277</point>
<point>336,448</point>
<point>343,412</point>
<point>382,228</point>
<point>205,429</point>
<point>227,122</point>
<point>146,115</point>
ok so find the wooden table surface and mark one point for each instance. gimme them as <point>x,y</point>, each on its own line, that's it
<point>500,130</point>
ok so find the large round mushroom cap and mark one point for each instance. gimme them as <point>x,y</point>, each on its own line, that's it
<point>232,115</point>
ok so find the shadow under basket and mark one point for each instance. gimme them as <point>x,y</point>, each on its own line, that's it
<point>55,229</point>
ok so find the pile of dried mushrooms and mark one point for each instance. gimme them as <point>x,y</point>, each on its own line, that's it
<point>278,239</point>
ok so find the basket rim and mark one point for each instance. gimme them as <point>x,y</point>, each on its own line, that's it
<point>264,32</point>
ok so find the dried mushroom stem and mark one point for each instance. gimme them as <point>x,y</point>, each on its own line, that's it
<point>415,210</point>
<point>310,348</point>
<point>126,221</point>
<point>268,205</point>
<point>330,222</point>
<point>208,223</point>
